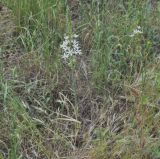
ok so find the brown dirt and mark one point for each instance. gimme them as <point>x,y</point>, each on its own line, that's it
<point>6,26</point>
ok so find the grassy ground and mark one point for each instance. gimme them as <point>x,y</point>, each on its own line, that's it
<point>102,104</point>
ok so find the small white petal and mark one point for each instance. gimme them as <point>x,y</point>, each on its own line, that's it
<point>66,37</point>
<point>75,36</point>
<point>132,35</point>
<point>138,27</point>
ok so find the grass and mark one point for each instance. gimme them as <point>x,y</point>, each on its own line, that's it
<point>104,104</point>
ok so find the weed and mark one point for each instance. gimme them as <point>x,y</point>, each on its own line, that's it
<point>101,105</point>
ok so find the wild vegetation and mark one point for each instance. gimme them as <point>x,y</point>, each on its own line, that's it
<point>79,79</point>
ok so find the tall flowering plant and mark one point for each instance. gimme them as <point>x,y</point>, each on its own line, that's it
<point>71,49</point>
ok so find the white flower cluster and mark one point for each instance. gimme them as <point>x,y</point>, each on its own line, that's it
<point>138,30</point>
<point>70,46</point>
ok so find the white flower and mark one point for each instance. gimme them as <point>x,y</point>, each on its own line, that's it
<point>138,30</point>
<point>70,46</point>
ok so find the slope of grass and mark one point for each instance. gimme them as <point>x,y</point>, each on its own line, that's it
<point>103,104</point>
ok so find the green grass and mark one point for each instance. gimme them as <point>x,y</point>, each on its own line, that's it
<point>104,104</point>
